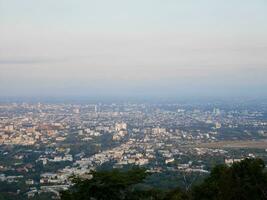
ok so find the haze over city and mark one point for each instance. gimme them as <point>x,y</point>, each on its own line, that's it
<point>133,99</point>
<point>133,48</point>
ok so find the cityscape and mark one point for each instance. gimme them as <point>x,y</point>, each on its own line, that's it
<point>42,145</point>
<point>133,100</point>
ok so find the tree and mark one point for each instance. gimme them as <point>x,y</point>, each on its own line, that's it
<point>176,194</point>
<point>243,180</point>
<point>111,185</point>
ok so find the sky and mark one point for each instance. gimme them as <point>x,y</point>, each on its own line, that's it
<point>143,48</point>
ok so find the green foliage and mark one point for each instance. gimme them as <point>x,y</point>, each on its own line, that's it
<point>106,185</point>
<point>245,180</point>
<point>176,194</point>
<point>147,194</point>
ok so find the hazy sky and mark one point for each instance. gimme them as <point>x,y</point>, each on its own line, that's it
<point>137,47</point>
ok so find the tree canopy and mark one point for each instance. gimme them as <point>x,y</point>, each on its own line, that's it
<point>245,180</point>
<point>112,185</point>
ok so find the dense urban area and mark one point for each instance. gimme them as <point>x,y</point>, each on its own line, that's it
<point>43,145</point>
